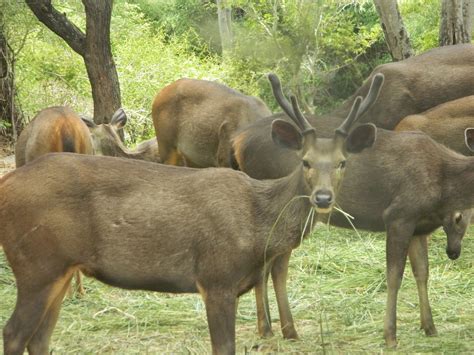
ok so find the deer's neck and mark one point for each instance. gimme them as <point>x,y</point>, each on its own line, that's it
<point>284,209</point>
<point>458,189</point>
<point>124,152</point>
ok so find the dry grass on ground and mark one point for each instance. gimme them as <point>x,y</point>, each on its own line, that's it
<point>337,292</point>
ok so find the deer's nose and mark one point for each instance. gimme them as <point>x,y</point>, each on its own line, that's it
<point>453,254</point>
<point>323,198</point>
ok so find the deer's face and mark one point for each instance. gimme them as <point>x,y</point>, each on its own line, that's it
<point>323,168</point>
<point>455,226</point>
<point>323,159</point>
<point>105,137</point>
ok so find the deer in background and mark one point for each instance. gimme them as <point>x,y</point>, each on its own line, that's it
<point>140,240</point>
<point>381,190</point>
<point>445,123</point>
<point>415,85</point>
<point>54,129</point>
<point>107,140</point>
<point>194,120</point>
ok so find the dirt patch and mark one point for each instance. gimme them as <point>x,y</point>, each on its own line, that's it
<point>7,158</point>
<point>6,147</point>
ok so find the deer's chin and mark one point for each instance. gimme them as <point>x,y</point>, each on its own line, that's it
<point>325,210</point>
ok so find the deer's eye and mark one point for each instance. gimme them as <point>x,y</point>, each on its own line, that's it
<point>342,164</point>
<point>306,164</point>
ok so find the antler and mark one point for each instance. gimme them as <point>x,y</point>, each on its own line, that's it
<point>293,111</point>
<point>360,107</point>
<point>304,124</point>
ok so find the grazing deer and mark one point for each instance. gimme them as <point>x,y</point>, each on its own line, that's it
<point>407,185</point>
<point>415,85</point>
<point>160,228</point>
<point>107,140</point>
<point>444,123</point>
<point>54,129</point>
<point>194,120</point>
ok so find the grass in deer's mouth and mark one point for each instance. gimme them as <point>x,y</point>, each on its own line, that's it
<point>337,293</point>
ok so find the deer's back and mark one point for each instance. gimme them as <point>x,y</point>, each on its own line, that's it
<point>444,123</point>
<point>121,218</point>
<point>188,114</point>
<point>55,129</point>
<point>419,83</point>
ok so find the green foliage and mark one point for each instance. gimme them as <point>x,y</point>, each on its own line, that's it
<point>308,43</point>
<point>322,50</point>
<point>194,19</point>
<point>422,20</point>
<point>48,72</point>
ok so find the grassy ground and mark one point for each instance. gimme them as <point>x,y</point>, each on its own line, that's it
<point>337,292</point>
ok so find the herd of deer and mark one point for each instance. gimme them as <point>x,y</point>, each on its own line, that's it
<point>221,232</point>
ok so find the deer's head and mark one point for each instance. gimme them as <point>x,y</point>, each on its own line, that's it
<point>105,136</point>
<point>323,159</point>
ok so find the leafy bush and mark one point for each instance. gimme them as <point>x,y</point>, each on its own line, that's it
<point>322,50</point>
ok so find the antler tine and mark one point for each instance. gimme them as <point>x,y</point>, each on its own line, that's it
<point>280,97</point>
<point>343,129</point>
<point>375,86</point>
<point>303,122</point>
<point>359,107</point>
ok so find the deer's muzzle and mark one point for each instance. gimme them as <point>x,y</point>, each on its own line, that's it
<point>323,200</point>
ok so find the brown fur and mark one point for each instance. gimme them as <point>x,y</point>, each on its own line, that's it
<point>194,119</point>
<point>412,86</point>
<point>141,240</point>
<point>107,140</point>
<point>54,129</point>
<point>384,190</point>
<point>444,123</point>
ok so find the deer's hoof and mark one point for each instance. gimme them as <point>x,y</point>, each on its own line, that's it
<point>265,333</point>
<point>431,331</point>
<point>290,334</point>
<point>391,343</point>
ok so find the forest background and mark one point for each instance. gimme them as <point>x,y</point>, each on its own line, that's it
<point>323,50</point>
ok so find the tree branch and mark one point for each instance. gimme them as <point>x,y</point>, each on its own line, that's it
<point>59,24</point>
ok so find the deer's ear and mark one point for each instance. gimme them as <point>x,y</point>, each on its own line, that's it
<point>361,137</point>
<point>119,119</point>
<point>286,135</point>
<point>89,123</point>
<point>469,138</point>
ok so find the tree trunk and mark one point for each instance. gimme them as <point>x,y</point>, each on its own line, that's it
<point>11,120</point>
<point>93,46</point>
<point>224,16</point>
<point>99,61</point>
<point>456,22</point>
<point>394,31</point>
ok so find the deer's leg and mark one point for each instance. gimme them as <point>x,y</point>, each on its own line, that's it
<point>220,309</point>
<point>79,286</point>
<point>263,311</point>
<point>174,157</point>
<point>34,299</point>
<point>39,343</point>
<point>418,254</point>
<point>398,240</point>
<point>279,277</point>
<point>169,152</point>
